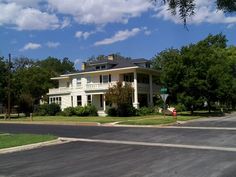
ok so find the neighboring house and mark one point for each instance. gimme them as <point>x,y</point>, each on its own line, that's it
<point>89,85</point>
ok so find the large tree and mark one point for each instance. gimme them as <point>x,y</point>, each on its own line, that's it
<point>31,79</point>
<point>3,75</point>
<point>199,73</point>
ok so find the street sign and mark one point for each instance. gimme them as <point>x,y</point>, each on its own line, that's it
<point>164,97</point>
<point>163,90</point>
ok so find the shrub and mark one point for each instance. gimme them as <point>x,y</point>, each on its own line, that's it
<point>69,111</point>
<point>112,112</point>
<point>53,109</point>
<point>92,110</point>
<point>126,110</point>
<point>42,110</point>
<point>180,107</point>
<point>48,109</point>
<point>89,110</point>
<point>145,111</point>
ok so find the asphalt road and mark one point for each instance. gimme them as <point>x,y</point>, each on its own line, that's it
<point>99,159</point>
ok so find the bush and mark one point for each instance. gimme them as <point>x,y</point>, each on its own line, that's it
<point>126,110</point>
<point>145,111</point>
<point>112,112</point>
<point>69,111</point>
<point>92,110</point>
<point>89,110</point>
<point>48,109</point>
<point>180,107</point>
<point>42,110</point>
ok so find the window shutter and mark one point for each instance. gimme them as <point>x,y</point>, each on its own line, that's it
<point>109,78</point>
<point>100,78</point>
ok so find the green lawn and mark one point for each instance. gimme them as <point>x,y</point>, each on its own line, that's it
<point>12,140</point>
<point>137,120</point>
<point>158,120</point>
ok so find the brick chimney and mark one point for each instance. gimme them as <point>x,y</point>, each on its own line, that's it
<point>111,57</point>
<point>83,66</point>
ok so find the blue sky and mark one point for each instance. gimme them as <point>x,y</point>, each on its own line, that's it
<point>79,29</point>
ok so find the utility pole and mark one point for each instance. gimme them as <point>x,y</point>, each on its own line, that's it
<point>9,89</point>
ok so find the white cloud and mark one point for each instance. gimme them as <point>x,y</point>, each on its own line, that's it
<point>24,3</point>
<point>84,35</point>
<point>16,16</point>
<point>66,22</point>
<point>31,46</point>
<point>51,44</point>
<point>101,11</point>
<point>119,36</point>
<point>205,12</point>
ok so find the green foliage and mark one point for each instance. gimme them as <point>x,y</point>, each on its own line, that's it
<point>3,75</point>
<point>30,80</point>
<point>119,94</point>
<point>180,107</point>
<point>89,110</point>
<point>48,109</point>
<point>112,112</point>
<point>69,111</point>
<point>126,110</point>
<point>55,66</point>
<point>199,73</point>
<point>145,111</point>
<point>26,103</point>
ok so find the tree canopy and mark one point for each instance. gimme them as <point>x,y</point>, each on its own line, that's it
<point>199,73</point>
<point>30,79</point>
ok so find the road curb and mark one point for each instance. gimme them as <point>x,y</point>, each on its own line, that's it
<point>32,146</point>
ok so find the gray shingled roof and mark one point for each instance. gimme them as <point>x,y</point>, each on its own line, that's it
<point>116,63</point>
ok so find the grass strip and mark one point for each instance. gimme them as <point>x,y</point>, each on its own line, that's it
<point>136,120</point>
<point>13,140</point>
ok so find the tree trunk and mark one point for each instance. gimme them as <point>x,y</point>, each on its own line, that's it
<point>209,106</point>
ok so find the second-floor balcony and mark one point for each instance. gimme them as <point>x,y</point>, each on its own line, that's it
<point>60,90</point>
<point>99,87</point>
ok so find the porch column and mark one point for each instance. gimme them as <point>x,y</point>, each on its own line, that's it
<point>150,90</point>
<point>84,100</point>
<point>135,103</point>
<point>104,103</point>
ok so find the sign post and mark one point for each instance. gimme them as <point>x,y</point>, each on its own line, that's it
<point>164,96</point>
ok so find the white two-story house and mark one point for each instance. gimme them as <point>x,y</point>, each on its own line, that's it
<point>89,85</point>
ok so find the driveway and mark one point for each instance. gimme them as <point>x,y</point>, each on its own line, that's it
<point>193,150</point>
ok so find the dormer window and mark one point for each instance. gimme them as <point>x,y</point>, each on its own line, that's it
<point>100,67</point>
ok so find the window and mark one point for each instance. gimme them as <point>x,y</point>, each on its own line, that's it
<point>89,99</point>
<point>79,100</point>
<point>56,100</point>
<point>100,67</point>
<point>129,77</point>
<point>59,101</point>
<point>109,78</point>
<point>105,78</point>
